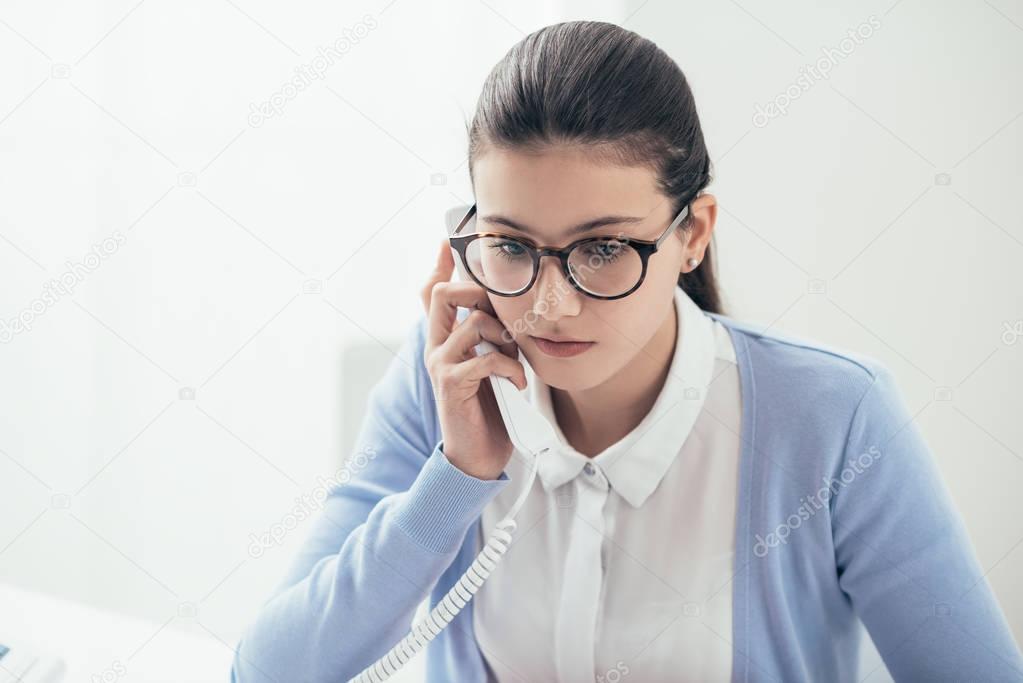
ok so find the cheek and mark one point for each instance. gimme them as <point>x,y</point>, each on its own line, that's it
<point>663,272</point>
<point>631,321</point>
<point>515,314</point>
<point>623,324</point>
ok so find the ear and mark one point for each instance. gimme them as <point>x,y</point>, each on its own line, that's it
<point>703,211</point>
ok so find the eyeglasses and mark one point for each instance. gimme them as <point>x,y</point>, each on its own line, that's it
<point>600,267</point>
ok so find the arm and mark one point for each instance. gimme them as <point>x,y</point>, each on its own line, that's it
<point>904,557</point>
<point>377,548</point>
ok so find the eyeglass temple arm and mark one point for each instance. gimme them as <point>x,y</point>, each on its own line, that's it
<point>674,224</point>
<point>465,219</point>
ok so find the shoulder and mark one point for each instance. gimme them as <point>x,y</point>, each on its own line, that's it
<point>412,354</point>
<point>405,392</point>
<point>816,407</point>
<point>807,377</point>
<point>406,371</point>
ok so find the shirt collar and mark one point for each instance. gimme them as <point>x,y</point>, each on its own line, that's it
<point>635,465</point>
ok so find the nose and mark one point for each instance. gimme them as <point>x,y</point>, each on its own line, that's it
<point>553,295</point>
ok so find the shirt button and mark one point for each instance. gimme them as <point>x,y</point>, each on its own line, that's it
<point>589,469</point>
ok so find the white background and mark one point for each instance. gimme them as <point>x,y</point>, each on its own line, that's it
<point>881,214</point>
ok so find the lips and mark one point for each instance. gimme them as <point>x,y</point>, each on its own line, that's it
<point>559,340</point>
<point>561,349</point>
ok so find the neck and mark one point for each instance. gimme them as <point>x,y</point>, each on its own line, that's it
<point>598,417</point>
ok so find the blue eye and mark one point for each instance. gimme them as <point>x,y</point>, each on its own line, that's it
<point>508,250</point>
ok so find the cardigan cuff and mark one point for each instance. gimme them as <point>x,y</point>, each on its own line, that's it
<point>443,501</point>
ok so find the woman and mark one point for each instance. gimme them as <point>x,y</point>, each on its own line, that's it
<point>724,504</point>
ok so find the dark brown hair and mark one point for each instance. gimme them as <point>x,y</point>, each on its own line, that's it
<point>597,84</point>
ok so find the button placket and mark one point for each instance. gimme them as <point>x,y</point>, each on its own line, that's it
<point>575,630</point>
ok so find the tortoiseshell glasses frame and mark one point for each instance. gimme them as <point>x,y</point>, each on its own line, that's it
<point>644,248</point>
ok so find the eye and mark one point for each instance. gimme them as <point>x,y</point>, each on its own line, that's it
<point>608,251</point>
<point>508,249</point>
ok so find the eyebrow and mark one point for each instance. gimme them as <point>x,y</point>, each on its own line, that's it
<point>582,227</point>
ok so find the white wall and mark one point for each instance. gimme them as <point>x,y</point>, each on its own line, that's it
<point>880,213</point>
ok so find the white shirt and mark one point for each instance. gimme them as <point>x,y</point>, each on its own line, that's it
<point>621,564</point>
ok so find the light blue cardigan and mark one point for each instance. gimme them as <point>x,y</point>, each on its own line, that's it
<point>886,545</point>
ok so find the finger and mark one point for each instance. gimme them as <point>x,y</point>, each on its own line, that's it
<point>506,342</point>
<point>441,272</point>
<point>511,348</point>
<point>445,299</point>
<point>475,328</point>
<point>490,363</point>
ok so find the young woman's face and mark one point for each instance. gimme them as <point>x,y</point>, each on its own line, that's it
<point>548,194</point>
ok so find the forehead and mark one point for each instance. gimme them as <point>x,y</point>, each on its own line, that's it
<point>561,186</point>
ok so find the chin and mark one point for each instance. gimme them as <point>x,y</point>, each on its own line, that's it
<point>568,374</point>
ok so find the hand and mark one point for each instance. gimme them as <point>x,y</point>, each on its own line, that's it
<point>475,438</point>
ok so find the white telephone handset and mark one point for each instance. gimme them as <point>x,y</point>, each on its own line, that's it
<point>532,435</point>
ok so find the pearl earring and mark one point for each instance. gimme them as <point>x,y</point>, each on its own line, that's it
<point>692,262</point>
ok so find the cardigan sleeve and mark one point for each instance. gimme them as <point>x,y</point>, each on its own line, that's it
<point>904,557</point>
<point>387,530</point>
